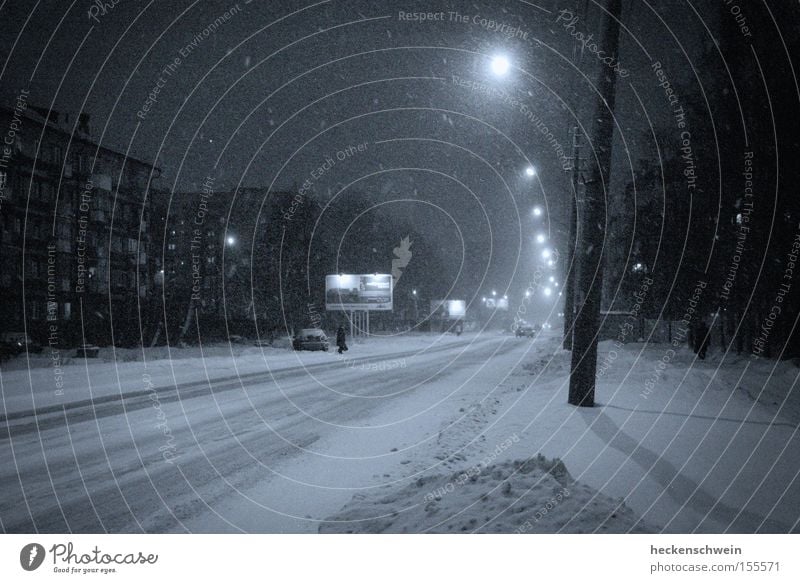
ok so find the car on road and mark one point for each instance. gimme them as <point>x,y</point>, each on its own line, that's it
<point>310,339</point>
<point>18,342</point>
<point>526,329</point>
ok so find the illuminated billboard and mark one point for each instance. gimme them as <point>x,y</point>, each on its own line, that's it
<point>449,309</point>
<point>497,303</point>
<point>358,292</point>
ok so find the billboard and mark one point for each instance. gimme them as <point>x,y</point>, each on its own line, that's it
<point>358,292</point>
<point>449,309</point>
<point>497,303</point>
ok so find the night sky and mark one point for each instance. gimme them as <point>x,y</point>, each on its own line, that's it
<point>278,88</point>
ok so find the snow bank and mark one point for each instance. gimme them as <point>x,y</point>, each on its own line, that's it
<point>534,496</point>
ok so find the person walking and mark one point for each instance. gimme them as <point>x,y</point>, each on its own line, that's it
<point>341,339</point>
<point>701,338</point>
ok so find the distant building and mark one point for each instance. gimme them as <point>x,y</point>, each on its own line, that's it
<point>217,258</point>
<point>75,239</point>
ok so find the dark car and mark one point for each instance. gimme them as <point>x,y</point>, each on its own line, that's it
<point>18,342</point>
<point>310,339</point>
<point>525,329</point>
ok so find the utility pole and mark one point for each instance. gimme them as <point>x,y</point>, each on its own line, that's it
<point>589,253</point>
<point>569,277</point>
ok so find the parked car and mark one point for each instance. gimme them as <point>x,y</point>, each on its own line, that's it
<point>310,339</point>
<point>18,342</point>
<point>87,351</point>
<point>525,329</point>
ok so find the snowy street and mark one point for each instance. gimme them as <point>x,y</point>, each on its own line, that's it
<point>297,435</point>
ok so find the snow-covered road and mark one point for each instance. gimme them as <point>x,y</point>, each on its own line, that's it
<point>157,458</point>
<point>697,449</point>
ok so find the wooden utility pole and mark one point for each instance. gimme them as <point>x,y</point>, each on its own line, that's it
<point>569,271</point>
<point>591,232</point>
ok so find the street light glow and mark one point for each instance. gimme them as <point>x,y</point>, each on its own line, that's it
<point>500,65</point>
<point>546,254</point>
<point>547,291</point>
<point>530,171</point>
<point>537,211</point>
<point>540,238</point>
<point>494,293</point>
<point>552,279</point>
<point>231,240</point>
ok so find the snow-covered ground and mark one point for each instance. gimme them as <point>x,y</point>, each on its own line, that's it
<point>55,378</point>
<point>434,432</point>
<point>532,496</point>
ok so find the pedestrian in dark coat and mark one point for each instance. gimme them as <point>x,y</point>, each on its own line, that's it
<point>340,339</point>
<point>701,338</point>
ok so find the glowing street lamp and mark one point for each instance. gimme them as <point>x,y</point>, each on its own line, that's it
<point>494,293</point>
<point>537,211</point>
<point>230,240</point>
<point>540,238</point>
<point>552,279</point>
<point>500,65</point>
<point>547,291</point>
<point>530,171</point>
<point>546,254</point>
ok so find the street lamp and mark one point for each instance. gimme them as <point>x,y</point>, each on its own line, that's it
<point>230,240</point>
<point>500,65</point>
<point>540,238</point>
<point>546,254</point>
<point>547,291</point>
<point>537,211</point>
<point>530,171</point>
<point>494,293</point>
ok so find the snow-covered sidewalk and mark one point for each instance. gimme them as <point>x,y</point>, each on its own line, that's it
<point>689,445</point>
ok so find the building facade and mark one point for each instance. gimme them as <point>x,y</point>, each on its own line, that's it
<point>75,250</point>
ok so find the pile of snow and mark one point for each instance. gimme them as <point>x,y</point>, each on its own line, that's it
<point>533,496</point>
